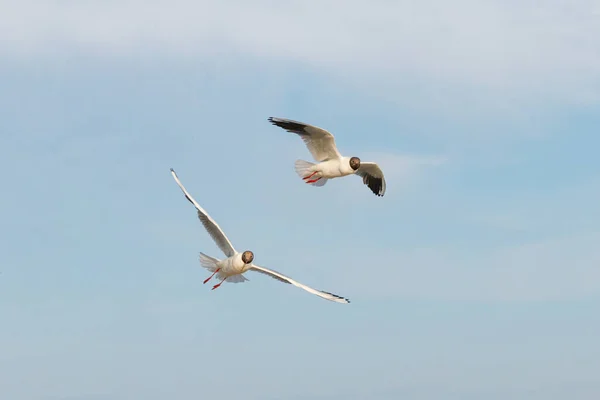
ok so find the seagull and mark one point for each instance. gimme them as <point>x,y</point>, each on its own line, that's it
<point>331,164</point>
<point>232,268</point>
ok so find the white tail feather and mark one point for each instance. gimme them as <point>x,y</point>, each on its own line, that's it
<point>208,262</point>
<point>305,168</point>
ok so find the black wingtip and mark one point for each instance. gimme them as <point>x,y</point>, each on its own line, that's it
<point>375,184</point>
<point>276,121</point>
<point>289,125</point>
<point>336,296</point>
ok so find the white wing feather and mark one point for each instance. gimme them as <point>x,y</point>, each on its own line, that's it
<point>282,278</point>
<point>213,229</point>
<point>319,142</point>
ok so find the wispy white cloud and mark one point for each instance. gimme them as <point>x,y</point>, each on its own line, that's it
<point>403,169</point>
<point>441,50</point>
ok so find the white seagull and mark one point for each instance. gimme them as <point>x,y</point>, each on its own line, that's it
<point>236,263</point>
<point>332,164</point>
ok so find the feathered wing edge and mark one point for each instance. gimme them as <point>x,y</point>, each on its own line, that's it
<point>282,278</point>
<point>211,226</point>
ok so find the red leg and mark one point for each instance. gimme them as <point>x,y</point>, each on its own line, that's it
<point>208,279</point>
<point>313,180</point>
<point>310,176</point>
<point>218,284</point>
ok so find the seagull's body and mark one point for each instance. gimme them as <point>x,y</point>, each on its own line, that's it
<point>231,269</point>
<point>335,168</point>
<point>331,164</point>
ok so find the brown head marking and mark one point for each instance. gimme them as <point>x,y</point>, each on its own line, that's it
<point>247,257</point>
<point>355,163</point>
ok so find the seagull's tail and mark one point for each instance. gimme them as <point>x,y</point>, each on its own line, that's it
<point>304,169</point>
<point>208,262</point>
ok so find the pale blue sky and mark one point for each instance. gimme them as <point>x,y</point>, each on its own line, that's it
<point>476,276</point>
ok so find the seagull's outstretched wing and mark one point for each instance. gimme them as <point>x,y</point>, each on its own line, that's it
<point>320,143</point>
<point>285,279</point>
<point>372,177</point>
<point>214,230</point>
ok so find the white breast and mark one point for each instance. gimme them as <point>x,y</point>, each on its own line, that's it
<point>343,166</point>
<point>238,264</point>
<point>232,265</point>
<point>334,168</point>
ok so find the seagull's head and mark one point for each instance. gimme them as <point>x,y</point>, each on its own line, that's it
<point>247,257</point>
<point>355,163</point>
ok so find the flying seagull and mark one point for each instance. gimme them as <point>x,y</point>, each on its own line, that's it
<point>236,263</point>
<point>331,164</point>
